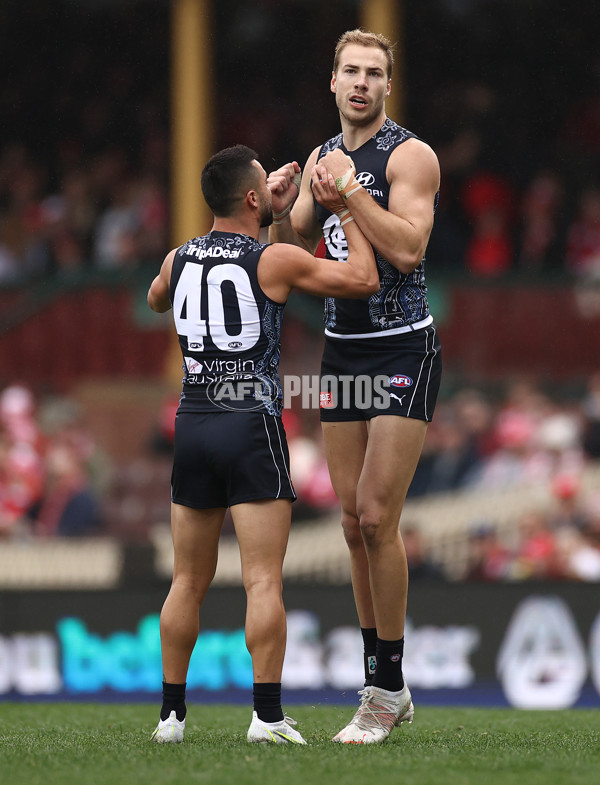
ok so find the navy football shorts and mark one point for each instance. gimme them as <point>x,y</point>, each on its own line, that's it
<point>227,458</point>
<point>363,378</point>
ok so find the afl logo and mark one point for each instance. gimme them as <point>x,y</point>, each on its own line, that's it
<point>399,380</point>
<point>365,179</point>
<point>234,344</point>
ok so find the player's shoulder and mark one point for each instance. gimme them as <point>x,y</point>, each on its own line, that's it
<point>414,152</point>
<point>275,253</point>
<point>331,144</point>
<point>168,260</point>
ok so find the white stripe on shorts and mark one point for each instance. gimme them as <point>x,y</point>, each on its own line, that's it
<point>421,372</point>
<point>273,454</point>
<point>278,425</point>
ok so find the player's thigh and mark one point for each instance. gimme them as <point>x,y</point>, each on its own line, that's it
<point>195,539</point>
<point>262,529</point>
<point>345,445</point>
<point>393,449</point>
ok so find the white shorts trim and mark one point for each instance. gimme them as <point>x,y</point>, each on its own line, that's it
<point>408,328</point>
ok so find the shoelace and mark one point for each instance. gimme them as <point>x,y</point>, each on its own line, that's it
<point>289,720</point>
<point>372,714</point>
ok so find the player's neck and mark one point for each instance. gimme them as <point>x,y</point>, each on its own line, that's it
<point>354,136</point>
<point>236,225</point>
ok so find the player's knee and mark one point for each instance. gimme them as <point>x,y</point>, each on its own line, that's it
<point>374,527</point>
<point>351,529</point>
<point>193,585</point>
<point>263,584</point>
<point>371,532</point>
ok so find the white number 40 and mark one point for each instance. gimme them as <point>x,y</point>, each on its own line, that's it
<point>188,298</point>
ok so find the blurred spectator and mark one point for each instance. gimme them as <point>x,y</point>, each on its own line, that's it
<point>578,555</point>
<point>570,512</point>
<point>536,556</point>
<point>163,435</point>
<point>67,507</point>
<point>540,222</point>
<point>21,465</point>
<point>21,482</point>
<point>590,408</point>
<point>536,438</point>
<point>114,239</point>
<point>489,204</point>
<point>488,559</point>
<point>51,478</point>
<point>453,457</point>
<point>475,414</point>
<point>70,217</point>
<point>583,239</point>
<point>420,566</point>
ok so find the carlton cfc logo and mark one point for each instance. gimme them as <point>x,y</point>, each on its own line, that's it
<point>400,380</point>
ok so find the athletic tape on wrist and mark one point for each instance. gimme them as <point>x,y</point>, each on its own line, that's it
<point>278,217</point>
<point>357,187</point>
<point>347,220</point>
<point>348,184</point>
<point>343,213</point>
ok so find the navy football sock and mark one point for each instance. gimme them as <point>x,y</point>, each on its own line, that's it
<point>173,700</point>
<point>267,701</point>
<point>388,674</point>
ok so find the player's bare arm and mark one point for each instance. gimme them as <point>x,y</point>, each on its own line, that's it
<point>284,187</point>
<point>158,294</point>
<point>400,233</point>
<point>299,225</point>
<point>284,267</point>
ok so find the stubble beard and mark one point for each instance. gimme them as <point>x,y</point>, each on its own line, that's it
<point>362,120</point>
<point>266,216</point>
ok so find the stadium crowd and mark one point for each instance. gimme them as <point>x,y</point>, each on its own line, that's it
<point>55,480</point>
<point>89,190</point>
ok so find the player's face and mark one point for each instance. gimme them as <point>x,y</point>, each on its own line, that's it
<point>361,84</point>
<point>265,198</point>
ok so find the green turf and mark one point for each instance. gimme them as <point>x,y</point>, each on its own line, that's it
<point>47,744</point>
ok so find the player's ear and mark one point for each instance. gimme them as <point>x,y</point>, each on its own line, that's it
<point>332,84</point>
<point>389,87</point>
<point>252,198</point>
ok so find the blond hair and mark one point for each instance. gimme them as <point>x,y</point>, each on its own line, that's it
<point>365,38</point>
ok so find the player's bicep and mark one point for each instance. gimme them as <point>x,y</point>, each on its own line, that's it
<point>326,277</point>
<point>284,267</point>
<point>414,176</point>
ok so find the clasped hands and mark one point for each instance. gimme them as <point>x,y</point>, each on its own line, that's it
<point>332,181</point>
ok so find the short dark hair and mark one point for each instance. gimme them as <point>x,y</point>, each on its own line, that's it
<point>365,38</point>
<point>227,177</point>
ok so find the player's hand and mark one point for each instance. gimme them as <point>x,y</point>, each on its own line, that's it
<point>341,166</point>
<point>337,162</point>
<point>284,184</point>
<point>324,189</point>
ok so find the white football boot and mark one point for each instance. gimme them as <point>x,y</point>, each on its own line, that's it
<point>379,712</point>
<point>169,731</point>
<point>278,732</point>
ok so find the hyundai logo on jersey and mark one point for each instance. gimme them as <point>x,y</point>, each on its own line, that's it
<point>400,380</point>
<point>365,179</point>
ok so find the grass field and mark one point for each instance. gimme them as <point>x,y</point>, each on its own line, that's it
<point>108,744</point>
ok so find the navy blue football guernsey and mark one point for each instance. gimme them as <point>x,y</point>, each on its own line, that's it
<point>402,299</point>
<point>229,331</point>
